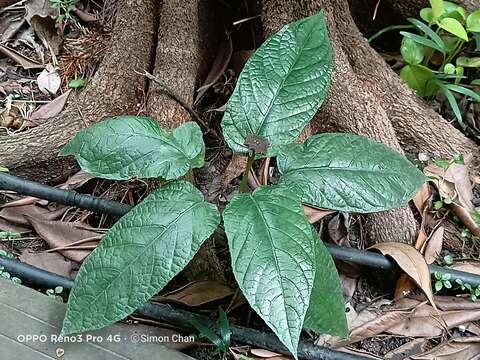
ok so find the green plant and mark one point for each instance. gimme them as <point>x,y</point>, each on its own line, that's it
<point>77,83</point>
<point>219,336</point>
<point>448,260</point>
<point>473,292</point>
<point>435,55</point>
<point>64,8</point>
<point>442,281</point>
<point>280,264</point>
<point>55,293</point>
<point>5,274</point>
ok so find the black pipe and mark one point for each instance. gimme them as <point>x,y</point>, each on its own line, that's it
<point>67,197</point>
<point>179,318</point>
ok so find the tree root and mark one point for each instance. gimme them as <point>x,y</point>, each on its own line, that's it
<point>114,90</point>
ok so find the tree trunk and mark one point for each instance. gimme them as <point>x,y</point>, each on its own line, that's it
<point>115,90</point>
<point>367,98</point>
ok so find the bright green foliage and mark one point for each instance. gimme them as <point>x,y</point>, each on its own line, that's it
<point>133,146</point>
<point>280,264</point>
<point>77,83</point>
<point>141,253</point>
<point>281,87</point>
<point>219,336</point>
<point>325,313</point>
<point>363,176</point>
<point>442,39</point>
<point>273,258</point>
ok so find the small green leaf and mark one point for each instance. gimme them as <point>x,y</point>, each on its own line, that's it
<point>282,86</point>
<point>224,327</point>
<point>454,27</point>
<point>77,83</point>
<point>454,10</point>
<point>3,169</point>
<point>475,82</point>
<point>419,78</point>
<point>428,32</point>
<point>272,246</point>
<point>411,51</point>
<point>58,290</point>
<point>438,285</point>
<point>459,159</point>
<point>438,205</point>
<point>437,8</point>
<point>133,146</point>
<point>463,90</point>
<point>424,41</point>
<point>427,15</point>
<point>468,62</point>
<point>326,312</point>
<point>348,173</point>
<point>449,69</point>
<point>442,163</point>
<point>451,100</point>
<point>473,21</point>
<point>141,253</point>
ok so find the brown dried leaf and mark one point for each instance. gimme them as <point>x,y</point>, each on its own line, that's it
<point>197,293</point>
<point>434,245</point>
<point>410,261</point>
<point>421,199</point>
<point>471,266</point>
<point>16,214</point>
<point>60,234</point>
<point>315,214</point>
<point>48,111</point>
<point>52,262</point>
<point>266,354</point>
<point>404,351</point>
<point>77,180</point>
<point>464,348</point>
<point>20,59</point>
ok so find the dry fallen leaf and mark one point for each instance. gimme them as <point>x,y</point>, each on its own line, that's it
<point>315,214</point>
<point>462,348</point>
<point>434,245</point>
<point>266,354</point>
<point>197,293</point>
<point>404,351</point>
<point>52,262</point>
<point>48,111</point>
<point>20,59</point>
<point>410,261</point>
<point>61,234</point>
<point>48,80</point>
<point>77,180</point>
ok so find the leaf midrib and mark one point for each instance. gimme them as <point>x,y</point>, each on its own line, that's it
<point>260,212</point>
<point>301,48</point>
<point>125,268</point>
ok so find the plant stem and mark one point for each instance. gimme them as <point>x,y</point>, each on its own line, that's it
<point>389,28</point>
<point>244,183</point>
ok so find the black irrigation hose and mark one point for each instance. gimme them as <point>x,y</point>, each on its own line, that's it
<point>366,258</point>
<point>180,318</point>
<point>65,197</point>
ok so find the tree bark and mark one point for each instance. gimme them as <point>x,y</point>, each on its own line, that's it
<point>115,90</point>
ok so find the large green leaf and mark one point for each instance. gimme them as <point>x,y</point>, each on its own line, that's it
<point>142,252</point>
<point>454,27</point>
<point>273,257</point>
<point>348,173</point>
<point>133,146</point>
<point>326,312</point>
<point>281,87</point>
